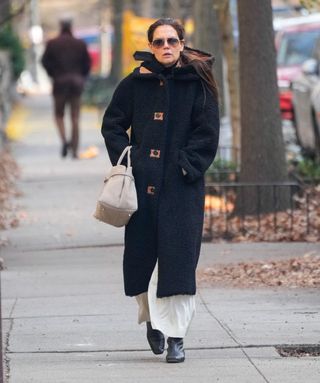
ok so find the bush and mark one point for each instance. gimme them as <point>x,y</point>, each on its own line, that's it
<point>221,171</point>
<point>10,41</point>
<point>98,91</point>
<point>309,169</point>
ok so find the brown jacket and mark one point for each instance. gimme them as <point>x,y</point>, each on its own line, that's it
<point>66,55</point>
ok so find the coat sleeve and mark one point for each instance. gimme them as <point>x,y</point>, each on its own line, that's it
<point>202,144</point>
<point>48,61</point>
<point>117,120</point>
<point>86,61</point>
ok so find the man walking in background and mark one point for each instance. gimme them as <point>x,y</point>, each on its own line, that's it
<point>67,62</point>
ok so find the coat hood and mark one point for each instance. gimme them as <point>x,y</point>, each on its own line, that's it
<point>183,70</point>
<point>196,54</point>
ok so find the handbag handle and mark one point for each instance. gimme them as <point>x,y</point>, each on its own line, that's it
<point>127,150</point>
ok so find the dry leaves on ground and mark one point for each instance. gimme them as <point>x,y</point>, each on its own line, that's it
<point>294,272</point>
<point>302,225</point>
<point>299,350</point>
<point>8,173</point>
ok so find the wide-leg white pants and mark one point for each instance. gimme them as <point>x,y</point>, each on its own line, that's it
<point>171,315</point>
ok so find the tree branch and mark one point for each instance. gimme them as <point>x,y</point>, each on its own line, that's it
<point>15,13</point>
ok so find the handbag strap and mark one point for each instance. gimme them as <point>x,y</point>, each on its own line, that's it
<point>127,150</point>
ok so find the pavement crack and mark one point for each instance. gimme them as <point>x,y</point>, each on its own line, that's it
<point>232,336</point>
<point>61,316</point>
<point>222,325</point>
<point>7,343</point>
<point>203,348</point>
<point>72,247</point>
<point>256,367</point>
<point>13,308</point>
<point>124,350</point>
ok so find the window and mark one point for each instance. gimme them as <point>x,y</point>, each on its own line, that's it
<point>296,47</point>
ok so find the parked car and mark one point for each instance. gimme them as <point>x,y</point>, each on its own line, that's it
<point>306,104</point>
<point>295,41</point>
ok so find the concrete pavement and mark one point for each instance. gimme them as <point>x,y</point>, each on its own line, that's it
<point>66,318</point>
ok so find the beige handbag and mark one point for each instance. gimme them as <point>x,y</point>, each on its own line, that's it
<point>118,199</point>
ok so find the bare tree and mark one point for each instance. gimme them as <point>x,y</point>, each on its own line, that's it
<point>116,66</point>
<point>141,8</point>
<point>161,8</point>
<point>207,36</point>
<point>262,148</point>
<point>310,4</point>
<point>5,8</point>
<point>232,67</point>
<point>177,9</point>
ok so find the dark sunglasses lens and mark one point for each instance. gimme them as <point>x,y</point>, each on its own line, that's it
<point>158,43</point>
<point>173,41</point>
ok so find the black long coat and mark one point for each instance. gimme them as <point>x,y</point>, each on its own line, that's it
<point>174,123</point>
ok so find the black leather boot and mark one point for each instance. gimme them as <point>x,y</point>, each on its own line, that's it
<point>175,352</point>
<point>155,339</point>
<point>64,149</point>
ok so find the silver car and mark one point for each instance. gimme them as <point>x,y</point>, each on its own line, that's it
<point>306,104</point>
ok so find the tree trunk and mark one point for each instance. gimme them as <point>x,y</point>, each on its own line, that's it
<point>262,147</point>
<point>116,66</point>
<point>4,10</point>
<point>207,37</point>
<point>232,64</point>
<point>161,8</point>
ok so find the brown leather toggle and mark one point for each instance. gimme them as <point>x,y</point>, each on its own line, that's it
<point>155,153</point>
<point>161,82</point>
<point>158,116</point>
<point>151,190</point>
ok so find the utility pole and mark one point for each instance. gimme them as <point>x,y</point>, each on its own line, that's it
<point>116,67</point>
<point>105,36</point>
<point>34,25</point>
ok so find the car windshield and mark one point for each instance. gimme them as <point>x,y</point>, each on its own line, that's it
<point>296,47</point>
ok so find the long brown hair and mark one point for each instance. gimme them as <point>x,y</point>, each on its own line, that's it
<point>202,62</point>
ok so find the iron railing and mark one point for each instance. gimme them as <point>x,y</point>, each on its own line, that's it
<point>226,213</point>
<point>229,153</point>
<point>226,165</point>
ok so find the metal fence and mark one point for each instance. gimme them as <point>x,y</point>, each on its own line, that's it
<point>226,165</point>
<point>229,153</point>
<point>227,215</point>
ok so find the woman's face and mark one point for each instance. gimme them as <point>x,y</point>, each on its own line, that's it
<point>166,45</point>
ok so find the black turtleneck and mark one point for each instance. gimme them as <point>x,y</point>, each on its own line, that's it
<point>168,69</point>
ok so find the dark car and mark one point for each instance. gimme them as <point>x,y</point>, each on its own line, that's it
<point>306,104</point>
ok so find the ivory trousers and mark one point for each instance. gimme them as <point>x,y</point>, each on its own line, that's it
<point>171,315</point>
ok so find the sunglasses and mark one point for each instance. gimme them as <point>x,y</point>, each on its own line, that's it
<point>159,43</point>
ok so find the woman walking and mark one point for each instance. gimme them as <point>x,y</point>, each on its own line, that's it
<point>171,104</point>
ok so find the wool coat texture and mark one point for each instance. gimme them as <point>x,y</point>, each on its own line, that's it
<point>174,122</point>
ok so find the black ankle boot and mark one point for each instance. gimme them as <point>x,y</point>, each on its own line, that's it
<point>64,149</point>
<point>175,352</point>
<point>155,339</point>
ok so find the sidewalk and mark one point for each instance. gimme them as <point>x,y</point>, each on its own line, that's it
<point>65,316</point>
